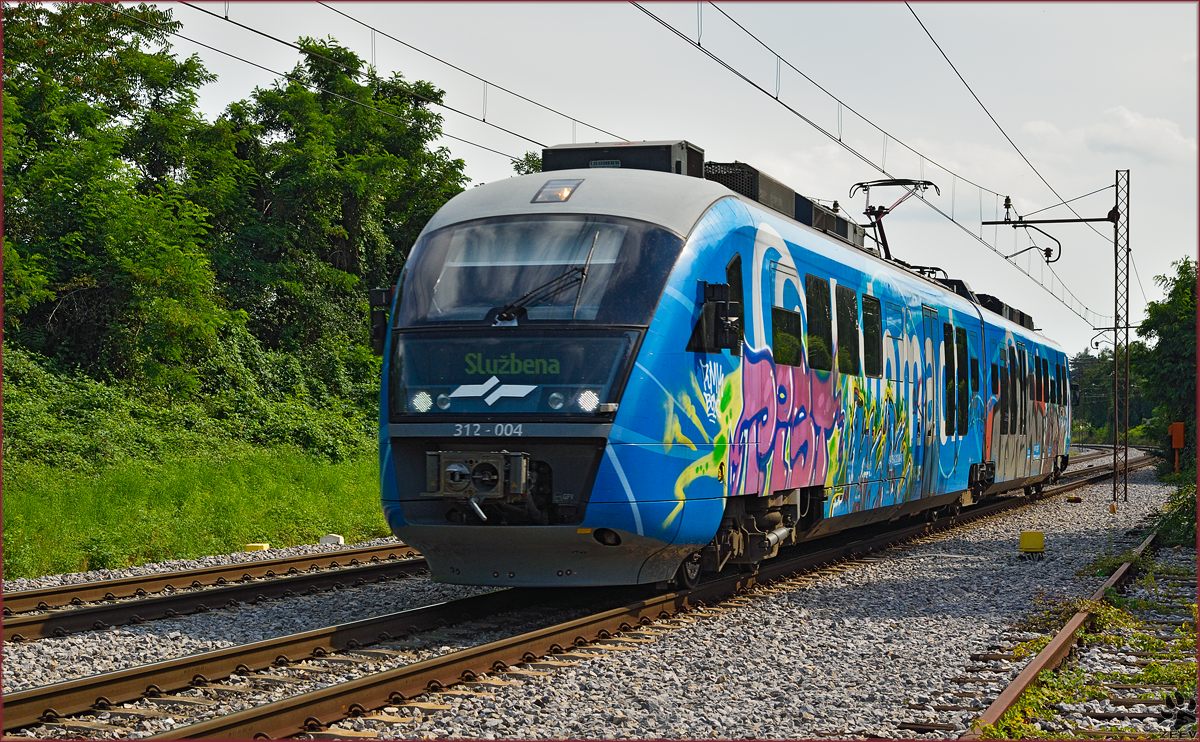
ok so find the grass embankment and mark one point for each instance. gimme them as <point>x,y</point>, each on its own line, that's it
<point>102,475</point>
<point>58,520</point>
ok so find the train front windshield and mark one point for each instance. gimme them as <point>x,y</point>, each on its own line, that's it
<point>525,314</point>
<point>570,268</point>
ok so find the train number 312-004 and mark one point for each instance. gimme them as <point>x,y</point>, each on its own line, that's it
<point>509,430</point>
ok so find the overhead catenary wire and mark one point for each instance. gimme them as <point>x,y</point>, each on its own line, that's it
<point>453,66</point>
<point>834,138</point>
<point>356,73</point>
<point>292,78</point>
<point>842,104</point>
<point>1010,140</point>
<point>1064,203</point>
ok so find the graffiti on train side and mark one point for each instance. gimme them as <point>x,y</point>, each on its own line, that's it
<point>779,427</point>
<point>789,417</point>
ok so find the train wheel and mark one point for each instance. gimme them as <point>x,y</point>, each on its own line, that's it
<point>688,574</point>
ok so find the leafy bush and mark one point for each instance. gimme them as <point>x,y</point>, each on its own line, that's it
<point>1178,524</point>
<point>76,422</point>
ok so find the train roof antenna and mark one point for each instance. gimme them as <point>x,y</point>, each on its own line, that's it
<point>876,213</point>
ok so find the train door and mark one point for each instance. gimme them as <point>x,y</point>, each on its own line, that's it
<point>930,341</point>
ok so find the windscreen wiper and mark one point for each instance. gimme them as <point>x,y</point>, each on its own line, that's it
<point>507,314</point>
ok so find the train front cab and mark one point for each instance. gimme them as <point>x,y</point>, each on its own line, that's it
<point>508,454</point>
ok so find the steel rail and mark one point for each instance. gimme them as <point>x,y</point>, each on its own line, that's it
<point>49,702</point>
<point>320,708</point>
<point>125,587</point>
<point>1053,654</point>
<point>1075,460</point>
<point>28,626</point>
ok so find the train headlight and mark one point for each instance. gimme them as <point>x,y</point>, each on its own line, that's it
<point>556,400</point>
<point>443,402</point>
<point>588,400</point>
<point>422,402</point>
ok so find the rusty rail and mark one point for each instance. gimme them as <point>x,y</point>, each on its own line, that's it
<point>47,702</point>
<point>27,626</point>
<point>126,587</point>
<point>1053,654</point>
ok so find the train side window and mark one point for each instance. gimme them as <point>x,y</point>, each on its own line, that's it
<point>1050,396</point>
<point>872,337</point>
<point>785,337</point>
<point>995,381</point>
<point>974,375</point>
<point>948,362</point>
<point>847,326</point>
<point>733,277</point>
<point>1035,392</point>
<point>1014,389</point>
<point>1002,399</point>
<point>1062,384</point>
<point>1023,402</point>
<point>818,340</point>
<point>894,324</point>
<point>964,391</point>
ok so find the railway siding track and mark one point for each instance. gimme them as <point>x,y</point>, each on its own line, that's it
<point>142,585</point>
<point>58,622</point>
<point>1168,611</point>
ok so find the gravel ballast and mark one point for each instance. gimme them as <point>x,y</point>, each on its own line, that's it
<point>55,659</point>
<point>841,655</point>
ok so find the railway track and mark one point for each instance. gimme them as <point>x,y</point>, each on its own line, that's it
<point>1125,701</point>
<point>63,609</point>
<point>398,686</point>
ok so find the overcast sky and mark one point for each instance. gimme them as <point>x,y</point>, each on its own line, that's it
<point>1083,89</point>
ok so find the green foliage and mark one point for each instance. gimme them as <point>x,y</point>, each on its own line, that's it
<point>1039,701</point>
<point>1031,647</point>
<point>132,511</point>
<point>75,422</point>
<point>176,284</point>
<point>1091,417</point>
<point>1178,523</point>
<point>1170,368</point>
<point>530,162</point>
<point>1105,564</point>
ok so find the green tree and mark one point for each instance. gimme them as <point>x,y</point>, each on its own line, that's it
<point>1170,364</point>
<point>319,185</point>
<point>109,272</point>
<point>530,162</point>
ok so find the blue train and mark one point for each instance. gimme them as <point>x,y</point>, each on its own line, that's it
<point>618,372</point>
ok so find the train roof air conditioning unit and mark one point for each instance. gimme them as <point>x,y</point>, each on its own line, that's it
<point>753,184</point>
<point>679,157</point>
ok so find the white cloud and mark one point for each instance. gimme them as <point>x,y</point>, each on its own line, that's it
<point>1121,132</point>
